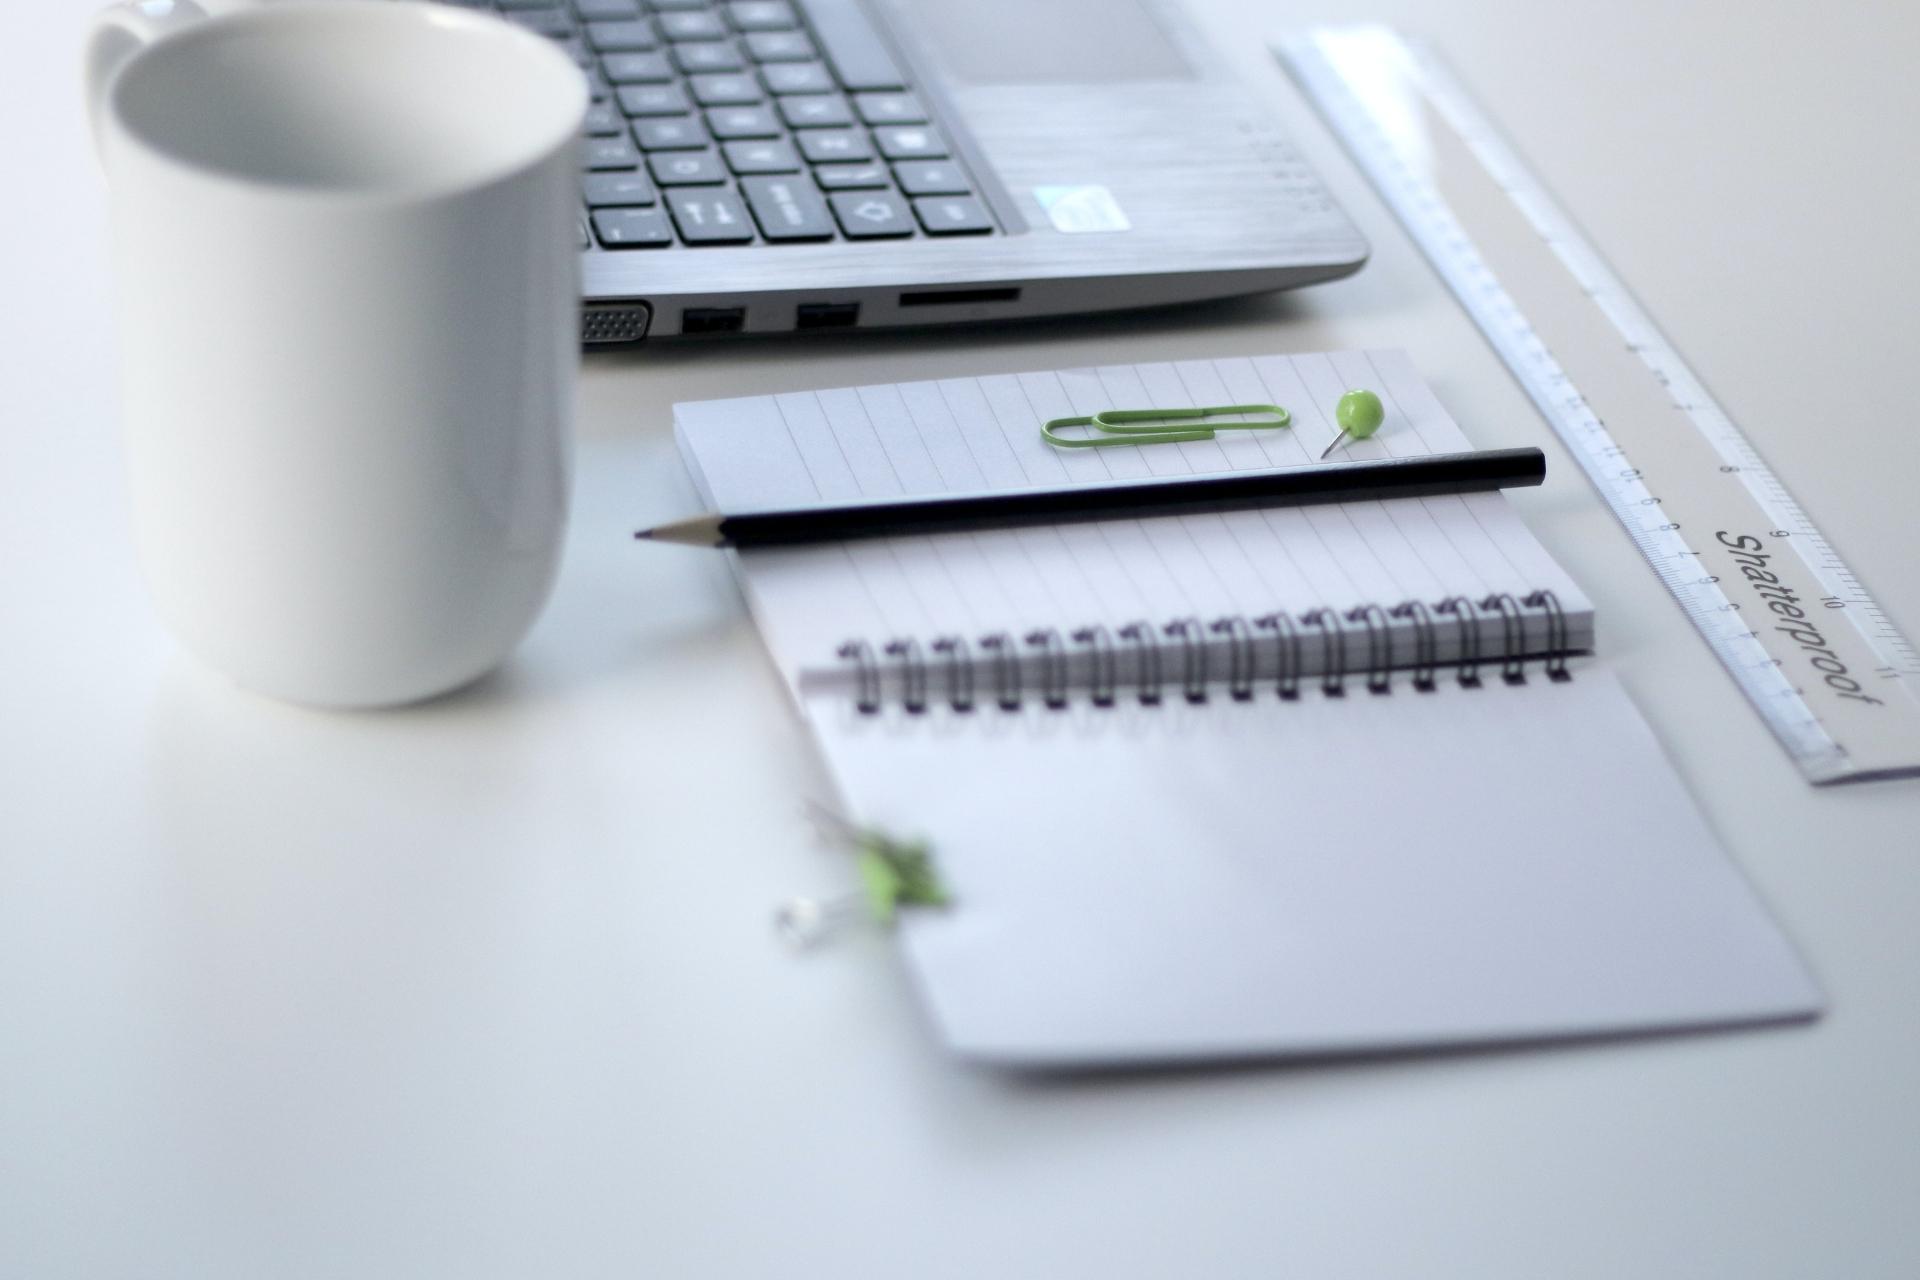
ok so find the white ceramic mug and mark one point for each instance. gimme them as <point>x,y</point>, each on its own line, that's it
<point>348,276</point>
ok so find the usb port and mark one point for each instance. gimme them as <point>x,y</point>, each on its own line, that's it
<point>826,315</point>
<point>713,319</point>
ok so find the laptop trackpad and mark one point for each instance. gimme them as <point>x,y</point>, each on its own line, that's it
<point>1059,41</point>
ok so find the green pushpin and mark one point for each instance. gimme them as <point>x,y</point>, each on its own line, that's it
<point>897,873</point>
<point>894,873</point>
<point>1359,415</point>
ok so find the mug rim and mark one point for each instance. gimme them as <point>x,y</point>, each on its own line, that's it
<point>297,13</point>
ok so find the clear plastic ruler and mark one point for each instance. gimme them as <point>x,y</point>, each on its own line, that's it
<point>1824,666</point>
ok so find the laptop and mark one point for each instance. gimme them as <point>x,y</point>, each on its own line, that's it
<point>765,166</point>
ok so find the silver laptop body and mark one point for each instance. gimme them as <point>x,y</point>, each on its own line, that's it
<point>1119,165</point>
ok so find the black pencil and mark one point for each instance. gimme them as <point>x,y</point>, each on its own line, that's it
<point>1117,500</point>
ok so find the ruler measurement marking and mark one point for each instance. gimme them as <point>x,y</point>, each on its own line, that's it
<point>1628,490</point>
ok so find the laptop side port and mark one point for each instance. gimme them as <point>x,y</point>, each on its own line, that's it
<point>610,323</point>
<point>713,319</point>
<point>954,297</point>
<point>827,315</point>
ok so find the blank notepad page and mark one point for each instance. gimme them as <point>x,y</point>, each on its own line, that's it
<point>1138,884</point>
<point>975,434</point>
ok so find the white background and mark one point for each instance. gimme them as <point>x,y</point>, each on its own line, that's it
<point>487,988</point>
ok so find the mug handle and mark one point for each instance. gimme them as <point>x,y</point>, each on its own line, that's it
<point>119,33</point>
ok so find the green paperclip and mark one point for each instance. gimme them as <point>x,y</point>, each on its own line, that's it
<point>1148,426</point>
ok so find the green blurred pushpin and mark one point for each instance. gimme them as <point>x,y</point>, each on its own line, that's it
<point>897,874</point>
<point>894,873</point>
<point>1359,414</point>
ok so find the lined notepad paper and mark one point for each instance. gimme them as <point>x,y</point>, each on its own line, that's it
<point>974,434</point>
<point>1222,871</point>
<point>1324,867</point>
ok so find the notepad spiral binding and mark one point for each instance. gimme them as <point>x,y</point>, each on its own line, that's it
<point>1142,660</point>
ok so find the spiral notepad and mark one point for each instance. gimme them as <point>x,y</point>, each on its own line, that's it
<point>1319,779</point>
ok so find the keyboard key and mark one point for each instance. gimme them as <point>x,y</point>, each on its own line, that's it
<point>743,122</point>
<point>610,153</point>
<point>909,142</point>
<point>826,112</point>
<point>545,22</point>
<point>617,190</point>
<point>932,178</point>
<point>796,77</point>
<point>653,99</point>
<point>761,15</point>
<point>686,168</point>
<point>669,133</point>
<point>788,209</point>
<point>632,228</point>
<point>576,48</point>
<point>775,156</point>
<point>694,24</point>
<point>632,36</point>
<point>710,217</point>
<point>779,46</point>
<point>603,121</point>
<point>889,108</point>
<point>606,10</point>
<point>666,6</point>
<point>952,215</point>
<point>707,55</point>
<point>825,146</point>
<point>636,68</point>
<point>854,48</point>
<point>848,177</point>
<point>522,4</point>
<point>725,90</point>
<point>868,215</point>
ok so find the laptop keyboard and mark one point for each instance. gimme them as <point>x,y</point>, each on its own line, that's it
<point>731,122</point>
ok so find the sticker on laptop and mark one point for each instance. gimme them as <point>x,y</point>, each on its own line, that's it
<point>1077,209</point>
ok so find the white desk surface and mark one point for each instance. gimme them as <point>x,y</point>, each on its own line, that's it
<point>487,988</point>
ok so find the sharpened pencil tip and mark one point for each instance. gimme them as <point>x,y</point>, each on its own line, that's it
<point>700,531</point>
